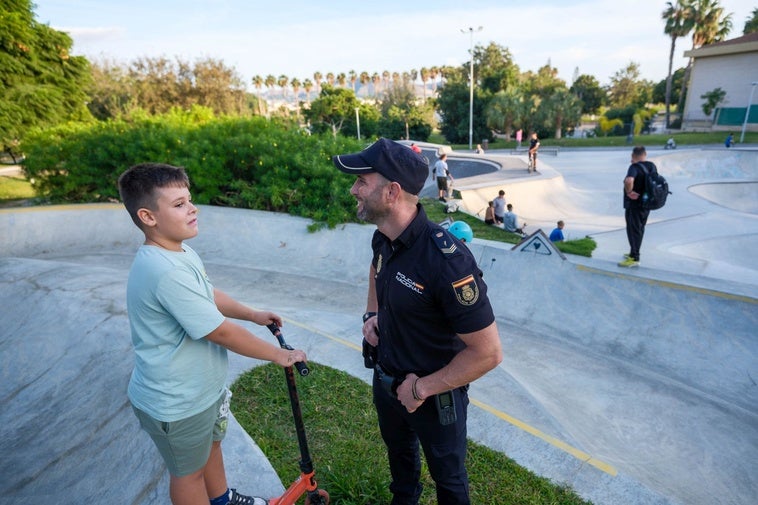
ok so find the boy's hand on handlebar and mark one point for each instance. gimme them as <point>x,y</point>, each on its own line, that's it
<point>265,317</point>
<point>289,357</point>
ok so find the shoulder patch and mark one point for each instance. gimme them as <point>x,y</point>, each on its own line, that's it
<point>444,242</point>
<point>466,290</point>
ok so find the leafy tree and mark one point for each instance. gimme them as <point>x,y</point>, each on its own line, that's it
<point>712,100</point>
<point>453,108</point>
<point>561,110</point>
<point>659,90</point>
<point>402,117</point>
<point>587,89</point>
<point>626,88</point>
<point>334,110</point>
<point>751,25</point>
<point>41,83</point>
<point>679,23</point>
<point>505,110</point>
<point>158,84</point>
<point>545,82</point>
<point>494,69</point>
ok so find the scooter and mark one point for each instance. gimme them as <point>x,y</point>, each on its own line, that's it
<point>306,482</point>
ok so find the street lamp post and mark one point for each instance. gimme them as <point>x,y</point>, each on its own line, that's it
<point>747,111</point>
<point>358,123</point>
<point>471,88</point>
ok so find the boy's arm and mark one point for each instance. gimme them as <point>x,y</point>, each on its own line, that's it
<point>237,339</point>
<point>230,307</point>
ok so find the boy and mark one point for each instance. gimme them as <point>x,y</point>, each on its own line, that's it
<point>181,335</point>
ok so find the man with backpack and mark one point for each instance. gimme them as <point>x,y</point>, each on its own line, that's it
<point>635,212</point>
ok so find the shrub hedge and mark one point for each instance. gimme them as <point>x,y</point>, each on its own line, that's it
<point>240,162</point>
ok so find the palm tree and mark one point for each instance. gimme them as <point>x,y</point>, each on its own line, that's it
<point>375,80</point>
<point>341,79</point>
<point>424,78</point>
<point>364,79</point>
<point>504,110</point>
<point>353,76</point>
<point>709,25</point>
<point>282,82</point>
<point>269,82</point>
<point>307,86</point>
<point>679,23</point>
<point>386,79</point>
<point>330,78</point>
<point>560,108</point>
<point>295,83</point>
<point>434,72</point>
<point>317,80</point>
<point>258,84</point>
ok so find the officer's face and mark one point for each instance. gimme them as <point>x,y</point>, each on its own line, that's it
<point>369,191</point>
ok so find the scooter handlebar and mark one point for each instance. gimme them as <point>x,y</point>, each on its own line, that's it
<point>301,367</point>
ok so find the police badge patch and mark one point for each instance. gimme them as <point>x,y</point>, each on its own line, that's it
<point>466,290</point>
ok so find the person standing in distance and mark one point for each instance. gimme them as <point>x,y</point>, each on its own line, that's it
<point>534,145</point>
<point>499,203</point>
<point>441,172</point>
<point>634,214</point>
<point>429,325</point>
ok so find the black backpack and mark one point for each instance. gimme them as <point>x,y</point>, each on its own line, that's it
<point>656,189</point>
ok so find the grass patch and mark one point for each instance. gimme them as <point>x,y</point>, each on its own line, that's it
<point>14,190</point>
<point>435,210</point>
<point>347,450</point>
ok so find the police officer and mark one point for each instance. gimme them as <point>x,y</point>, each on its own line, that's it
<point>429,328</point>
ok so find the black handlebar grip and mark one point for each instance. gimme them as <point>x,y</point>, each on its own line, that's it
<point>302,368</point>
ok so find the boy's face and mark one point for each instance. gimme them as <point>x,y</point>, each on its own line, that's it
<point>173,221</point>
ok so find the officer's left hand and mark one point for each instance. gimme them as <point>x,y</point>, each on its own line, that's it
<point>405,393</point>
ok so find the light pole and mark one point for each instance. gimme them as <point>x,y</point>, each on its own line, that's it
<point>747,111</point>
<point>358,123</point>
<point>471,88</point>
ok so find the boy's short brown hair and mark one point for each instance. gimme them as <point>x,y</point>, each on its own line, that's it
<point>137,185</point>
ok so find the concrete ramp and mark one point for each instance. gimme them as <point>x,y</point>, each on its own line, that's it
<point>67,431</point>
<point>635,388</point>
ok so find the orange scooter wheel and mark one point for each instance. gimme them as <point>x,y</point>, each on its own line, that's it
<point>322,493</point>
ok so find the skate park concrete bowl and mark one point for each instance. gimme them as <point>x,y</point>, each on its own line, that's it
<point>628,386</point>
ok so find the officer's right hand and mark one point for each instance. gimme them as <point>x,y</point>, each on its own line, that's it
<point>371,330</point>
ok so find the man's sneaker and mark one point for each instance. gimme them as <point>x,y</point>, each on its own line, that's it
<point>627,256</point>
<point>240,499</point>
<point>629,263</point>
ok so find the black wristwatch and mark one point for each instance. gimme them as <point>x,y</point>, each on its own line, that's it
<point>368,315</point>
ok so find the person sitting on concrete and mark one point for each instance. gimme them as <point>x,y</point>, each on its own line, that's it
<point>557,234</point>
<point>510,221</point>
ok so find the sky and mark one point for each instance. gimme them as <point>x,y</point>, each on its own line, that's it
<point>299,37</point>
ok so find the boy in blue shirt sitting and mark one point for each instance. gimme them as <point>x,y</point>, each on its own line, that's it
<point>557,234</point>
<point>181,334</point>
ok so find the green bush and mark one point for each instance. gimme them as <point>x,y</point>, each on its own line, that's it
<point>240,162</point>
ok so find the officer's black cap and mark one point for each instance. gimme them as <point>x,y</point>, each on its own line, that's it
<point>396,162</point>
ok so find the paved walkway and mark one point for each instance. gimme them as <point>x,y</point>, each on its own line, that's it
<point>631,387</point>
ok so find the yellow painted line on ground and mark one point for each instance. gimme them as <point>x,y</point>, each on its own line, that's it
<point>342,341</point>
<point>573,451</point>
<point>671,285</point>
<point>563,446</point>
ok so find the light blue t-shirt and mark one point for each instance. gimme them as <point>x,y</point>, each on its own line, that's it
<point>510,223</point>
<point>177,373</point>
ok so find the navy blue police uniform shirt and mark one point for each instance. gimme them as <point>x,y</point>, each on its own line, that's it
<point>429,289</point>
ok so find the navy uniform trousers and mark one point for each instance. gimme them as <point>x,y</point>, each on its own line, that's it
<point>444,447</point>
